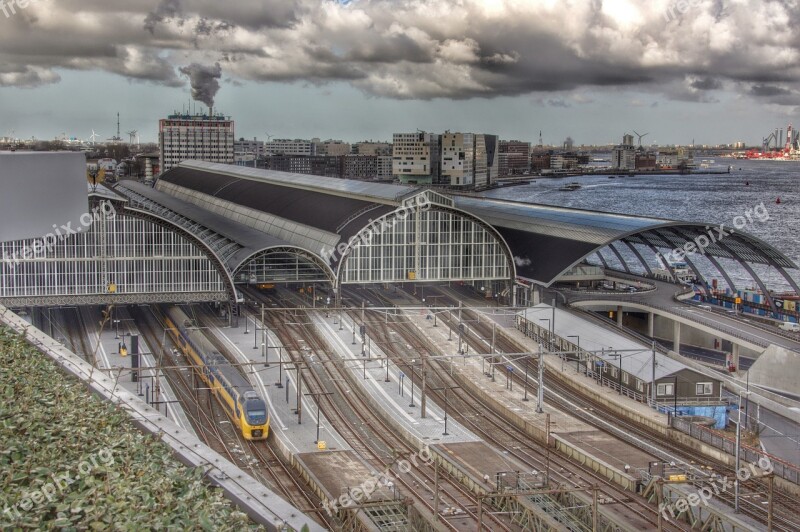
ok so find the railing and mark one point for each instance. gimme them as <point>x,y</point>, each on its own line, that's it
<point>749,454</point>
<point>627,392</point>
<point>697,319</point>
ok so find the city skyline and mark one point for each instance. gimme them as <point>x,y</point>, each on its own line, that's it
<point>356,70</point>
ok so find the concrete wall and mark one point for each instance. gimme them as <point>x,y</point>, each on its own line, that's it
<point>777,369</point>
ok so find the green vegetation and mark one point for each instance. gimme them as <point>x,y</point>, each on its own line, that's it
<point>71,461</point>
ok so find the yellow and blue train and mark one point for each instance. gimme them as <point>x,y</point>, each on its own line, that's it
<point>241,402</point>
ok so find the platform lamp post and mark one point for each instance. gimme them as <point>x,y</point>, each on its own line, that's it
<point>264,338</point>
<point>411,367</point>
<point>317,397</point>
<point>618,356</point>
<point>450,327</point>
<point>549,332</point>
<point>578,356</point>
<point>527,362</point>
<point>446,404</point>
<point>279,384</point>
<point>540,390</point>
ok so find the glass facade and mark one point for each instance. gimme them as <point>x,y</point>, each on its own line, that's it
<point>425,245</point>
<point>134,255</point>
<point>282,265</point>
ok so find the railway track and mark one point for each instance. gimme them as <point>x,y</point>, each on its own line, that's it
<point>366,432</point>
<point>214,427</point>
<point>754,491</point>
<point>493,427</point>
<point>75,331</point>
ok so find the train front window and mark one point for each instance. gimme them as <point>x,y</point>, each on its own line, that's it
<point>257,417</point>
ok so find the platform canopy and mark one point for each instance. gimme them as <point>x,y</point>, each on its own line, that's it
<point>549,241</point>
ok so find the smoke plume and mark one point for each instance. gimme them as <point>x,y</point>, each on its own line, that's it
<point>204,80</point>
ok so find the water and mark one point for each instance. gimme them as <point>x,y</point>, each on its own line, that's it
<point>711,199</point>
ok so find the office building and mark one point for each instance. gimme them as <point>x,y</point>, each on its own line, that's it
<point>322,165</point>
<point>384,167</point>
<point>469,160</point>
<point>415,158</point>
<point>458,159</point>
<point>198,137</point>
<point>517,160</point>
<point>291,147</point>
<point>333,148</point>
<point>360,167</point>
<point>372,148</point>
<point>624,155</point>
<point>248,152</point>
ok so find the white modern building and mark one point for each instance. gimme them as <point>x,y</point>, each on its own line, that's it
<point>470,159</point>
<point>458,159</point>
<point>415,158</point>
<point>198,137</point>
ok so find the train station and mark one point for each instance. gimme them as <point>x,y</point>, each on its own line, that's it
<point>533,354</point>
<point>205,228</point>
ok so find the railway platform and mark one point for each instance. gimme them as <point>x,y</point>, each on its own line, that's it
<point>152,386</point>
<point>615,459</point>
<point>277,384</point>
<point>390,388</point>
<point>338,475</point>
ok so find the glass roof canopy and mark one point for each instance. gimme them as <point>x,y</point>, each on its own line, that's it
<point>572,235</point>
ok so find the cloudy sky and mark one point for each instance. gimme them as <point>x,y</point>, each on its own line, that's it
<point>713,70</point>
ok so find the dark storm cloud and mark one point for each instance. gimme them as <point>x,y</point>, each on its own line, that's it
<point>414,49</point>
<point>204,81</point>
<point>165,9</point>
<point>706,84</point>
<point>768,90</point>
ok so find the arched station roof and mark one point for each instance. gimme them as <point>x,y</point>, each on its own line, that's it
<point>318,213</point>
<point>234,243</point>
<point>548,241</point>
<point>324,210</point>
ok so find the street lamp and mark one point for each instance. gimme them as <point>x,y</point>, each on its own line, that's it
<point>578,356</point>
